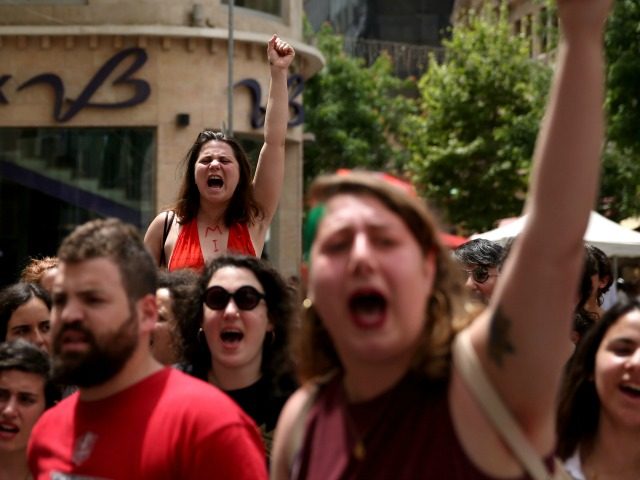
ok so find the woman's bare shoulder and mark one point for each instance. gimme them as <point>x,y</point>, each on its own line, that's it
<point>290,430</point>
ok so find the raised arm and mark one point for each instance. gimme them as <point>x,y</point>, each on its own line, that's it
<point>269,175</point>
<point>523,337</point>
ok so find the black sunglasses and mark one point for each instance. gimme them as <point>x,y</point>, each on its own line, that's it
<point>245,298</point>
<point>480,274</point>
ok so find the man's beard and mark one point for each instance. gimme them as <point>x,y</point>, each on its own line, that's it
<point>101,362</point>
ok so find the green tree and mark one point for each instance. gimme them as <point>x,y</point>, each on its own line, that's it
<point>353,111</point>
<point>620,190</point>
<point>472,140</point>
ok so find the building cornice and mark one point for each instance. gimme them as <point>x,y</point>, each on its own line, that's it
<point>311,62</point>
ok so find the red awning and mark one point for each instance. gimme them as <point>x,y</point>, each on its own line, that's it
<point>452,241</point>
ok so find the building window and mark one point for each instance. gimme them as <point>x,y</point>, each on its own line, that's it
<point>518,27</point>
<point>44,2</point>
<point>52,179</point>
<point>528,33</point>
<point>543,29</point>
<point>272,7</point>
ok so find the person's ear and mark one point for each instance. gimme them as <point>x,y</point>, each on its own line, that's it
<point>147,313</point>
<point>430,267</point>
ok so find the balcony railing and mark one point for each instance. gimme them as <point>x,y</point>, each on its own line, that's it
<point>408,59</point>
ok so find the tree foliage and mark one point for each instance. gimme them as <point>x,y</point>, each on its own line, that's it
<point>472,140</point>
<point>468,139</point>
<point>620,190</point>
<point>354,112</point>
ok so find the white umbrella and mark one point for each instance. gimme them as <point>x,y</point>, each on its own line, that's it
<point>608,236</point>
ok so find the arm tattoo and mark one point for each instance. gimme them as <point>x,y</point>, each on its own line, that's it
<point>499,342</point>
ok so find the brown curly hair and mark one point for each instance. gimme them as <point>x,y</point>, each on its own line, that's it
<point>36,268</point>
<point>281,310</point>
<point>448,310</point>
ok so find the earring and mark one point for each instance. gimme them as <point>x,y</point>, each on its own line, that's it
<point>272,340</point>
<point>200,336</point>
<point>307,303</point>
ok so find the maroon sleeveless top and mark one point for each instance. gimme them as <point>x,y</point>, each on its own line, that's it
<point>407,433</point>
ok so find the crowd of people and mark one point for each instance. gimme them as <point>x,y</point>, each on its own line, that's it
<point>183,354</point>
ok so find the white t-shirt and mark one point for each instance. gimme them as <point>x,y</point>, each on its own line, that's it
<point>573,465</point>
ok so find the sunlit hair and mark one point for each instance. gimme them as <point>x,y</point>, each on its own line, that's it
<point>25,357</point>
<point>446,312</point>
<point>36,268</point>
<point>16,295</point>
<point>243,207</point>
<point>279,298</point>
<point>119,242</point>
<point>579,404</point>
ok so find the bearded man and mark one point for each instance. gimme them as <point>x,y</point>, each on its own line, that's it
<point>131,417</point>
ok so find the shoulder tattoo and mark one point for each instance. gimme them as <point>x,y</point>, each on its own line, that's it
<point>499,342</point>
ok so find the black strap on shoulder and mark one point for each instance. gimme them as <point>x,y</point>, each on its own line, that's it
<point>165,233</point>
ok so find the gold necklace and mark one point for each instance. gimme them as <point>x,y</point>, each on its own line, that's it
<point>359,449</point>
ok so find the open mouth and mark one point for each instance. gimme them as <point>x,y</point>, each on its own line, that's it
<point>8,428</point>
<point>631,389</point>
<point>231,336</point>
<point>74,336</point>
<point>215,182</point>
<point>368,309</point>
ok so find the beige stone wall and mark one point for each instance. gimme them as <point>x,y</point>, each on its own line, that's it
<point>156,12</point>
<point>527,18</point>
<point>186,70</point>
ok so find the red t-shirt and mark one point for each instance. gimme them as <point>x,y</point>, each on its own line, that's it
<point>167,426</point>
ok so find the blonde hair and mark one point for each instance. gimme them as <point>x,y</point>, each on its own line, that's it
<point>448,310</point>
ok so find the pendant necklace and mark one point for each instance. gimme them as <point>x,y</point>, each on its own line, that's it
<point>359,449</point>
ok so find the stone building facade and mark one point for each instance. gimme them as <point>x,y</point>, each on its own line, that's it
<point>101,99</point>
<point>530,18</point>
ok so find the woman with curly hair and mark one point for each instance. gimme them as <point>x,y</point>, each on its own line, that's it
<point>237,341</point>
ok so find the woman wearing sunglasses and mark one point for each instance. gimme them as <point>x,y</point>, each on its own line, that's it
<point>238,339</point>
<point>382,396</point>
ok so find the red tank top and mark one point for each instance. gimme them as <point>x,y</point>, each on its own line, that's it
<point>188,254</point>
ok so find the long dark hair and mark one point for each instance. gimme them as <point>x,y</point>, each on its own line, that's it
<point>279,297</point>
<point>584,319</point>
<point>579,404</point>
<point>16,295</point>
<point>243,207</point>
